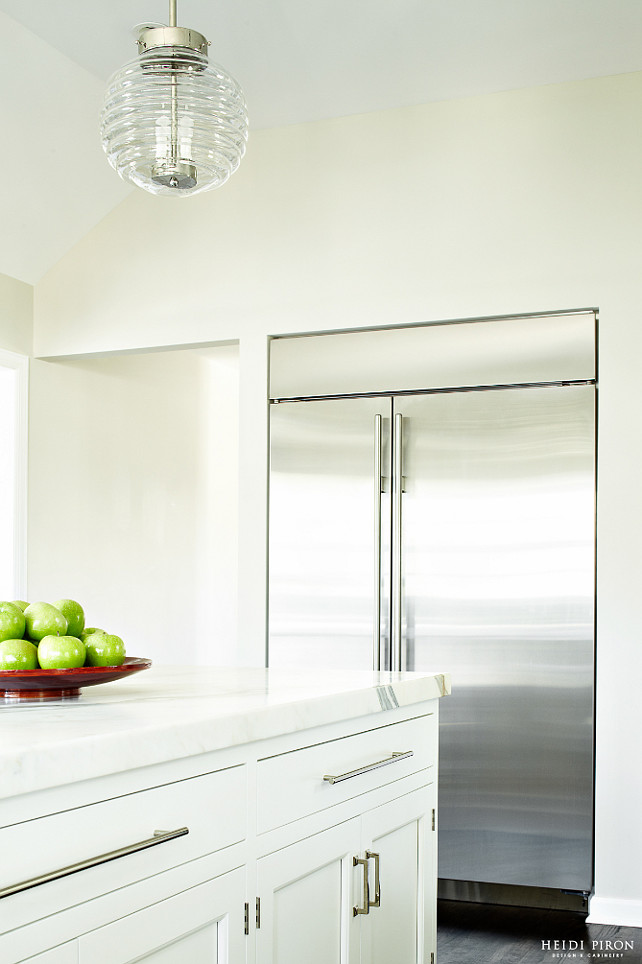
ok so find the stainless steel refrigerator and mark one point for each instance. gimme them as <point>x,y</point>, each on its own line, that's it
<point>453,528</point>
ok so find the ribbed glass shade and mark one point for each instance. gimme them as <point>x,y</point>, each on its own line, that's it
<point>173,123</point>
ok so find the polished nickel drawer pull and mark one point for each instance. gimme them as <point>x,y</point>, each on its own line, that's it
<point>371,766</point>
<point>365,909</point>
<point>160,836</point>
<point>371,855</point>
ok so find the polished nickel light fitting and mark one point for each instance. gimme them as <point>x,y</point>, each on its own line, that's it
<point>173,122</point>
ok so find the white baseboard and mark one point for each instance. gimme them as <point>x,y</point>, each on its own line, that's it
<point>610,910</point>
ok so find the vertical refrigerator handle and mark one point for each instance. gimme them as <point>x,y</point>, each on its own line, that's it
<point>376,640</point>
<point>397,489</point>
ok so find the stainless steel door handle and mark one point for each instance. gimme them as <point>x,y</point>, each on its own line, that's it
<point>160,836</point>
<point>397,488</point>
<point>395,758</point>
<point>365,908</point>
<point>371,855</point>
<point>376,641</point>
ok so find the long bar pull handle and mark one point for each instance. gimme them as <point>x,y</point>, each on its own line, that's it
<point>365,908</point>
<point>371,855</point>
<point>376,640</point>
<point>396,556</point>
<point>160,836</point>
<point>394,758</point>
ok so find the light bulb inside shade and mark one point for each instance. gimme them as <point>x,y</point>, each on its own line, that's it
<point>173,167</point>
<point>173,123</point>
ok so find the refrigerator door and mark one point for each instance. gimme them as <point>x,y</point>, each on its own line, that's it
<point>498,569</point>
<point>329,542</point>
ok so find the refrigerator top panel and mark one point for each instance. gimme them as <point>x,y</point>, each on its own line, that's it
<point>495,351</point>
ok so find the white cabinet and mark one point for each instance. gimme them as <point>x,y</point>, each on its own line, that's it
<point>202,925</point>
<point>402,833</point>
<point>363,891</point>
<point>351,826</point>
<point>267,853</point>
<point>118,840</point>
<point>294,784</point>
<point>306,894</point>
<point>156,873</point>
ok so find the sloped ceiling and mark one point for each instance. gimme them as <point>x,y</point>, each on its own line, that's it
<point>296,61</point>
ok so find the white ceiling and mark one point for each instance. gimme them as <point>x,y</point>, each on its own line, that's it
<point>297,60</point>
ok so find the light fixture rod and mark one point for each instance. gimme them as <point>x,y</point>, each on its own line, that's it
<point>174,97</point>
<point>174,121</point>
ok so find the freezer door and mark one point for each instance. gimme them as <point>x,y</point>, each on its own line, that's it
<point>498,571</point>
<point>329,533</point>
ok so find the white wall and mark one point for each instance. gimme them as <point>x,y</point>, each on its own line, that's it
<point>133,498</point>
<point>516,202</point>
<point>16,315</point>
<point>8,440</point>
<point>16,342</point>
<point>56,183</point>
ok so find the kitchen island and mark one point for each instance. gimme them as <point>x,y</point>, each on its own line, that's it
<point>222,815</point>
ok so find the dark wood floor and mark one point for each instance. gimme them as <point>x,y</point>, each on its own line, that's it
<point>483,934</point>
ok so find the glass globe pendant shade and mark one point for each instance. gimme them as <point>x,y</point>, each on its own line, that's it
<point>173,123</point>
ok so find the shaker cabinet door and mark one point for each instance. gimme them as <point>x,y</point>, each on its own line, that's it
<point>318,906</point>
<point>202,925</point>
<point>399,841</point>
<point>307,898</point>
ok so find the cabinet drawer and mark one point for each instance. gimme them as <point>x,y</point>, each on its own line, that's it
<point>103,836</point>
<point>292,785</point>
<point>201,925</point>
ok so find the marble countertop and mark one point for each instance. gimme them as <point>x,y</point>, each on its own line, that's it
<point>167,713</point>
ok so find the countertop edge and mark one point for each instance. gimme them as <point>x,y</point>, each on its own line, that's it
<point>97,750</point>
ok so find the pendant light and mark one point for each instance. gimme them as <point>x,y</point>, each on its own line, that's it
<point>173,123</point>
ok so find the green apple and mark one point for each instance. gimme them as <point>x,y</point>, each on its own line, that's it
<point>104,649</point>
<point>20,603</point>
<point>42,620</point>
<point>18,654</point>
<point>61,652</point>
<point>73,613</point>
<point>11,619</point>
<point>89,631</point>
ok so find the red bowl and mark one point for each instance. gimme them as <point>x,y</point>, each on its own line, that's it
<point>22,685</point>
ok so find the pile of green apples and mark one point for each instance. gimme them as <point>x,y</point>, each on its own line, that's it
<point>44,635</point>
